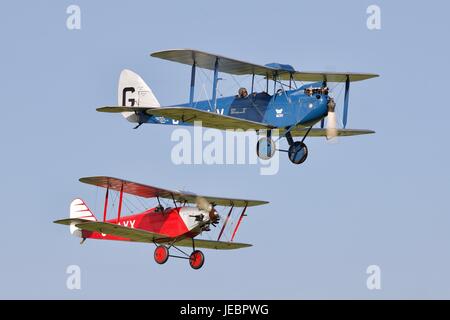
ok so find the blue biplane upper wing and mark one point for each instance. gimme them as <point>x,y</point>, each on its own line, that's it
<point>207,60</point>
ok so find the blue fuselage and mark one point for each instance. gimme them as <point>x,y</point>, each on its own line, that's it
<point>284,109</point>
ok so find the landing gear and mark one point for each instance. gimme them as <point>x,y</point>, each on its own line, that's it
<point>298,151</point>
<point>196,259</point>
<point>161,254</point>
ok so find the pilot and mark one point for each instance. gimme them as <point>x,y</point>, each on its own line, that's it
<point>242,93</point>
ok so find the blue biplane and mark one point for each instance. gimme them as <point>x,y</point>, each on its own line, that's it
<point>292,109</point>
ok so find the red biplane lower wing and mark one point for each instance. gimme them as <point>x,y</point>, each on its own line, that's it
<point>137,235</point>
<point>211,244</point>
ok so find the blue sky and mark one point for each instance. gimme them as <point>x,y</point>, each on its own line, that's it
<point>379,199</point>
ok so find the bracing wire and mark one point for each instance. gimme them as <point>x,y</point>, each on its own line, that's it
<point>141,202</point>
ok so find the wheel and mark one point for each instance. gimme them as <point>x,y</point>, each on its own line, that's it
<point>196,259</point>
<point>161,254</point>
<point>265,148</point>
<point>298,152</point>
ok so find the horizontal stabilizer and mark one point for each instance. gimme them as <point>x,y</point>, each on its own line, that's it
<point>68,222</point>
<point>119,109</point>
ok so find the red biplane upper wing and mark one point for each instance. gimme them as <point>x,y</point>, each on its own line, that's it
<point>207,60</point>
<point>146,191</point>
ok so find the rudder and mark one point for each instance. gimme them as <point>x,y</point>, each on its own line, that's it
<point>133,91</point>
<point>79,210</point>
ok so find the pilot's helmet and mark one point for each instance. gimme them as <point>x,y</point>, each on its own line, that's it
<point>243,92</point>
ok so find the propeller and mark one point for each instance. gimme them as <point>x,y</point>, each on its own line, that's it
<point>331,120</point>
<point>204,205</point>
<point>331,129</point>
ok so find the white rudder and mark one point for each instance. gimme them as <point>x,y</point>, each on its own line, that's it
<point>134,92</point>
<point>79,210</point>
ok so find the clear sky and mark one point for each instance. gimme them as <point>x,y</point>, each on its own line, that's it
<point>371,200</point>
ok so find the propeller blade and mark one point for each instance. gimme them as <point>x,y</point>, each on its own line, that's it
<point>331,125</point>
<point>331,120</point>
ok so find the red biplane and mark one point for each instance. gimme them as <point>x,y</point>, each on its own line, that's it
<point>167,228</point>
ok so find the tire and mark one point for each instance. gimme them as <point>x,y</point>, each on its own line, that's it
<point>196,259</point>
<point>298,152</point>
<point>161,254</point>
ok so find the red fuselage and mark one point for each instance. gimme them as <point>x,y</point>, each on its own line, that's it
<point>171,222</point>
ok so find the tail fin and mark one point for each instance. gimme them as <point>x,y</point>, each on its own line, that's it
<point>79,210</point>
<point>133,91</point>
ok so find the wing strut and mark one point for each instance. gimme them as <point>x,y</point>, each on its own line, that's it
<point>347,91</point>
<point>225,223</point>
<point>253,82</point>
<point>191,93</point>
<point>120,204</point>
<point>239,223</point>
<point>216,73</point>
<point>106,204</point>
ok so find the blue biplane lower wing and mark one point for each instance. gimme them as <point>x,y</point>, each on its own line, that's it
<point>319,132</point>
<point>207,118</point>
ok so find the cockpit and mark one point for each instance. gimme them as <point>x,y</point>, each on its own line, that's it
<point>316,90</point>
